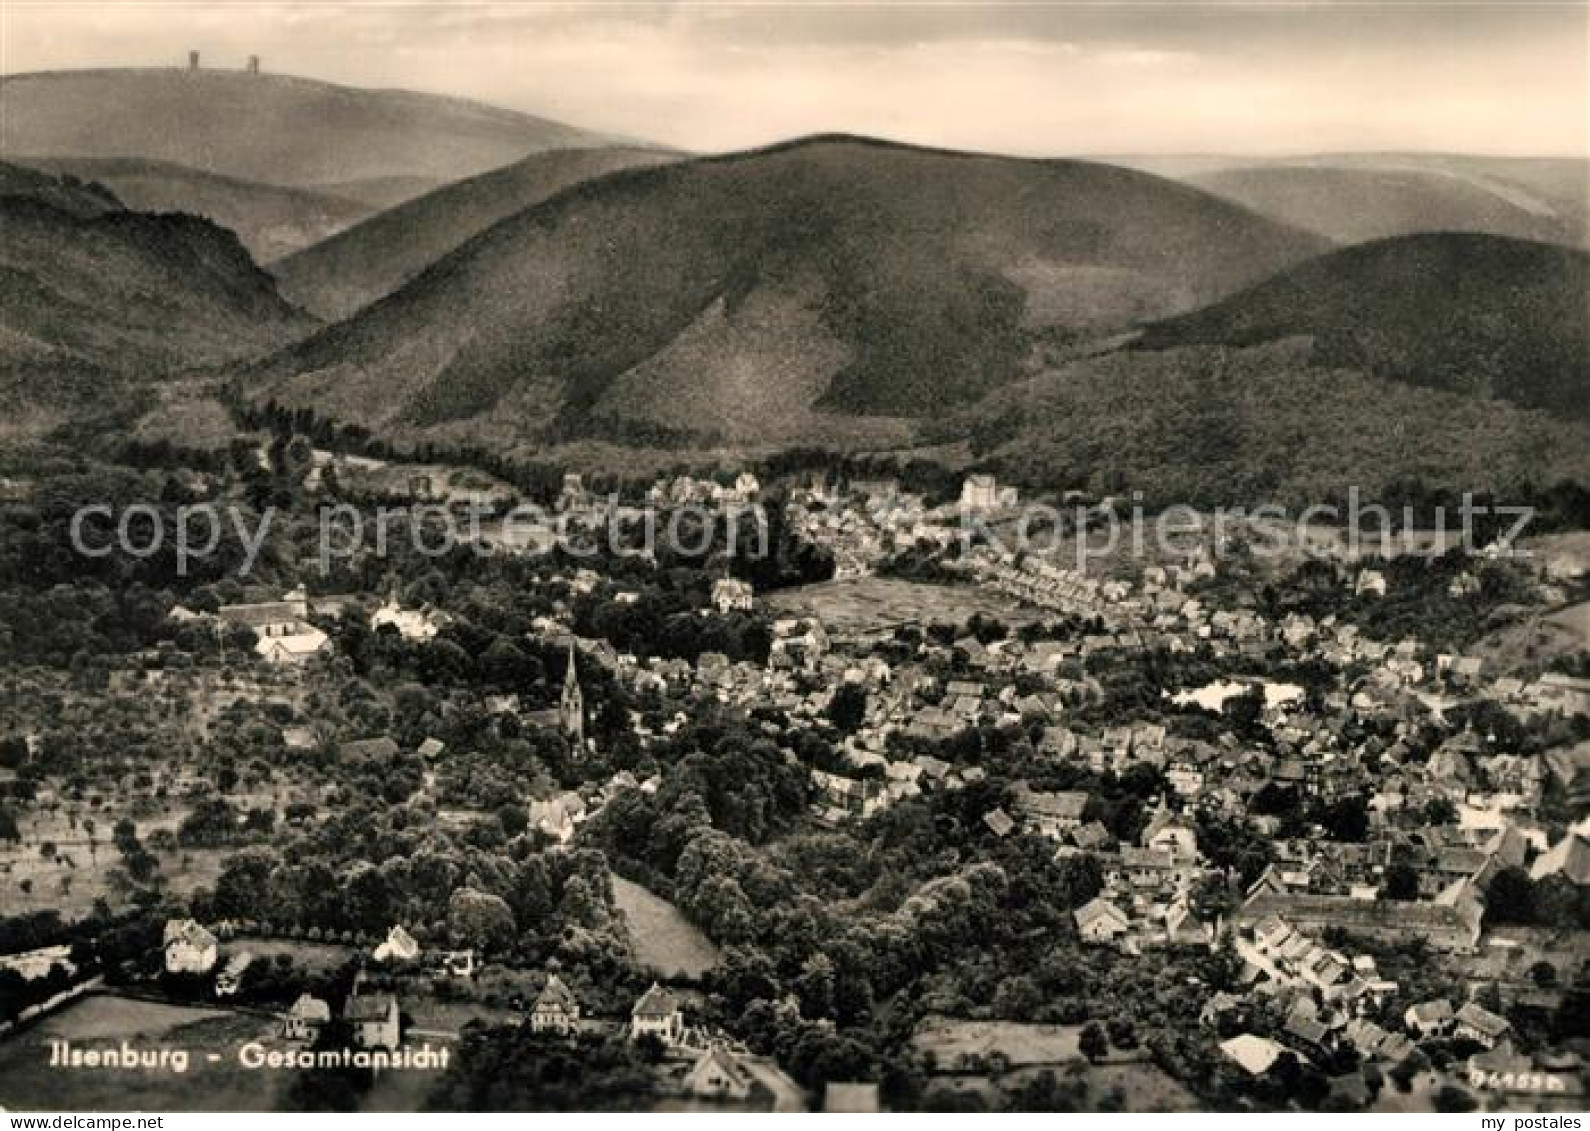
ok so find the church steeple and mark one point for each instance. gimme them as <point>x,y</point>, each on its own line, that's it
<point>571,711</point>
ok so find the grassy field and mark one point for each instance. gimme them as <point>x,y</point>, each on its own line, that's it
<point>1143,1087</point>
<point>1529,644</point>
<point>661,936</point>
<point>75,877</point>
<point>1574,618</point>
<point>215,1079</point>
<point>317,957</point>
<point>1031,1048</point>
<point>1126,1087</point>
<point>28,1082</point>
<point>871,603</point>
<point>949,1039</point>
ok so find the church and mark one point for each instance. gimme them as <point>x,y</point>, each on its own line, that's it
<point>571,708</point>
<point>569,715</point>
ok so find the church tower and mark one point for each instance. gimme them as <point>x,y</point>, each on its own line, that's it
<point>572,709</point>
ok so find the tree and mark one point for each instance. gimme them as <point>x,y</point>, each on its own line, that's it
<point>1402,882</point>
<point>1245,713</point>
<point>1345,820</point>
<point>241,888</point>
<point>1092,1042</point>
<point>1450,1098</point>
<point>847,710</point>
<point>1017,998</point>
<point>479,919</point>
<point>1510,898</point>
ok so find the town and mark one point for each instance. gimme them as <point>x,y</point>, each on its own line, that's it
<point>880,819</point>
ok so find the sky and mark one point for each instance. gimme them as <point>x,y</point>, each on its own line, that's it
<point>1047,79</point>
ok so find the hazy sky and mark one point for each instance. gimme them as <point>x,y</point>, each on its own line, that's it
<point>1036,78</point>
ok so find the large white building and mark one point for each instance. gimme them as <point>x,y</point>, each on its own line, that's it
<point>657,1014</point>
<point>189,948</point>
<point>283,634</point>
<point>983,493</point>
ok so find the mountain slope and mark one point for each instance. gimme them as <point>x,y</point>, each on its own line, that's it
<point>1479,315</point>
<point>380,193</point>
<point>893,280</point>
<point>351,269</point>
<point>270,220</point>
<point>1352,205</point>
<point>63,191</point>
<point>271,129</point>
<point>96,303</point>
<point>1214,425</point>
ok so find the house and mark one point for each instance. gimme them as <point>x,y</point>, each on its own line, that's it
<point>282,633</point>
<point>556,1010</point>
<point>797,644</point>
<point>999,823</point>
<point>1429,1018</point>
<point>1222,1010</point>
<point>718,1075</point>
<point>1370,581</point>
<point>411,624</point>
<point>657,1014</point>
<point>1152,869</point>
<point>838,1097</point>
<point>375,1021</point>
<point>1372,1042</point>
<point>1172,833</point>
<point>732,595</point>
<point>1058,742</point>
<point>1446,925</point>
<point>557,817</point>
<point>1476,1023</point>
<point>1254,1055</point>
<point>850,797</point>
<point>1091,837</point>
<point>306,1018</point>
<point>1100,921</point>
<point>1050,814</point>
<point>458,963</point>
<point>983,493</point>
<point>1185,926</point>
<point>1306,1033</point>
<point>189,948</point>
<point>399,946</point>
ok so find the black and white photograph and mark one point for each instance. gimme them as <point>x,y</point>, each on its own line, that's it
<point>794,556</point>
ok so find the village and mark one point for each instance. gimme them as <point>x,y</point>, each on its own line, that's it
<point>391,807</point>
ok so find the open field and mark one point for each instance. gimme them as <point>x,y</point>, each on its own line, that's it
<point>1118,1087</point>
<point>1527,645</point>
<point>320,958</point>
<point>949,1039</point>
<point>28,1082</point>
<point>74,879</point>
<point>215,1078</point>
<point>868,604</point>
<point>662,937</point>
<point>1574,618</point>
<point>1143,1087</point>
